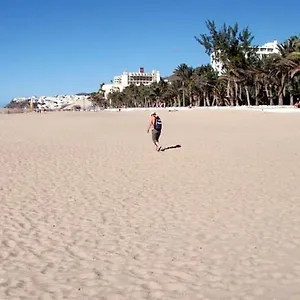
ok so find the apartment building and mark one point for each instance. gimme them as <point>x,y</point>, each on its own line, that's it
<point>128,78</point>
<point>264,50</point>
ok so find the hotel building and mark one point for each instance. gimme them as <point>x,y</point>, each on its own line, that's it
<point>127,78</point>
<point>262,51</point>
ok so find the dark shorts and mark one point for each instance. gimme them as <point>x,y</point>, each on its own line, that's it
<point>155,135</point>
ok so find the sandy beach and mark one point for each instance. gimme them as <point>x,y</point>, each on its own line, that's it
<point>90,211</point>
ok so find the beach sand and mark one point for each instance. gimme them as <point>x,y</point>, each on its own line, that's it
<point>89,210</point>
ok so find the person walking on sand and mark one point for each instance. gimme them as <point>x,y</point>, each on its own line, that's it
<point>155,125</point>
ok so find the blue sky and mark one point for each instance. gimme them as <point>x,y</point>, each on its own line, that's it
<point>51,47</point>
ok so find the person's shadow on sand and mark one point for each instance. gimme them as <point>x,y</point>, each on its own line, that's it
<point>170,147</point>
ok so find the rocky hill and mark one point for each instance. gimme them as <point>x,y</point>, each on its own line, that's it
<point>50,102</point>
<point>18,104</point>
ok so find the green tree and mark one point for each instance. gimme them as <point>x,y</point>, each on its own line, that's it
<point>185,74</point>
<point>234,50</point>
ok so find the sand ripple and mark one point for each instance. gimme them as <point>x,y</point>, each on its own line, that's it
<point>89,211</point>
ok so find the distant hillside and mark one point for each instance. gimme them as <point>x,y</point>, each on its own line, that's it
<point>48,102</point>
<point>171,78</point>
<point>20,104</point>
<point>83,94</point>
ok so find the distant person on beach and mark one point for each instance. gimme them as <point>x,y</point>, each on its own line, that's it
<point>155,125</point>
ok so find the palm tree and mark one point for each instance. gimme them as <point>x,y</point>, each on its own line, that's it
<point>173,93</point>
<point>204,79</point>
<point>282,67</point>
<point>246,79</point>
<point>116,98</point>
<point>100,88</point>
<point>234,50</point>
<point>185,73</point>
<point>97,99</point>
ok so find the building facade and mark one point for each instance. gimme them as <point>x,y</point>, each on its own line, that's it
<point>216,65</point>
<point>128,78</point>
<point>267,49</point>
<point>262,51</point>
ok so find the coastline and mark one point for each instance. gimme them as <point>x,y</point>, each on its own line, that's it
<point>261,108</point>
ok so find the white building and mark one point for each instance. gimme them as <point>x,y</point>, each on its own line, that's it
<point>264,50</point>
<point>267,49</point>
<point>216,65</point>
<point>56,102</point>
<point>127,78</point>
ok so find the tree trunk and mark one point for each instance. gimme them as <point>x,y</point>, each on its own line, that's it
<point>269,94</point>
<point>247,95</point>
<point>280,99</point>
<point>267,91</point>
<point>291,99</point>
<point>214,101</point>
<point>271,97</point>
<point>240,92</point>
<point>191,100</point>
<point>281,90</point>
<point>190,96</point>
<point>232,98</point>
<point>256,94</point>
<point>178,99</point>
<point>228,90</point>
<point>236,90</point>
<point>204,99</point>
<point>207,101</point>
<point>227,103</point>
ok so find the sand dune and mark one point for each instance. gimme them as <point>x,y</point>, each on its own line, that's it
<point>88,209</point>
